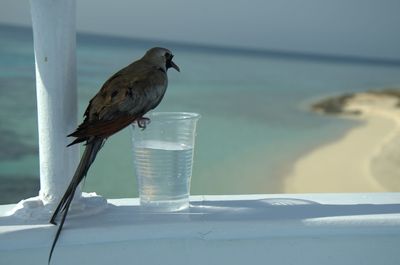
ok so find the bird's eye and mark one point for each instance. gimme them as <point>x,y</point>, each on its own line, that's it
<point>168,55</point>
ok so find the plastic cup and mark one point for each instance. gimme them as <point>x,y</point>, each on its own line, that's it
<point>163,160</point>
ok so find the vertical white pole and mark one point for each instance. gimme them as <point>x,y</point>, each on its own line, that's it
<point>54,37</point>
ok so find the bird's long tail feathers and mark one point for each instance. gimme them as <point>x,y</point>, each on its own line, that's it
<point>92,148</point>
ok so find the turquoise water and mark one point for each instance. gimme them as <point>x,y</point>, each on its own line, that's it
<point>255,111</point>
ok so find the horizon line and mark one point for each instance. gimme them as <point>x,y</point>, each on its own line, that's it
<point>236,50</point>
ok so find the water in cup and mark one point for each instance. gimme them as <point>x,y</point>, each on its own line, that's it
<point>163,158</point>
<point>163,171</point>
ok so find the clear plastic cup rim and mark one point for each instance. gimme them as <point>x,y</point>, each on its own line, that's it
<point>173,116</point>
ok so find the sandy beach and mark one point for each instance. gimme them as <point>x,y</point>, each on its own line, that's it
<point>366,159</point>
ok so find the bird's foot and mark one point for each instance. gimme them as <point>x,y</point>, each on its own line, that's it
<point>143,122</point>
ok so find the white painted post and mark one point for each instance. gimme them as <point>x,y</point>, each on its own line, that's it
<point>54,34</point>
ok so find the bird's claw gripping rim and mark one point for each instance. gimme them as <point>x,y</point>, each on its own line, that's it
<point>143,122</point>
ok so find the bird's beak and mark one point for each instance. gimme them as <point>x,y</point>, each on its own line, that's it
<point>173,65</point>
<point>170,64</point>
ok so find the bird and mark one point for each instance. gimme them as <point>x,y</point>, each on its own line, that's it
<point>123,99</point>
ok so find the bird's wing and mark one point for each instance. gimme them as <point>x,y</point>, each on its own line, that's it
<point>125,97</point>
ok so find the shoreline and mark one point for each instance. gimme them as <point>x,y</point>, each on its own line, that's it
<point>365,159</point>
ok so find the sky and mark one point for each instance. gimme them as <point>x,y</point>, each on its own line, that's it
<point>367,28</point>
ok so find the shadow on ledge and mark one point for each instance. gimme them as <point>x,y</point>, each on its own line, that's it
<point>277,209</point>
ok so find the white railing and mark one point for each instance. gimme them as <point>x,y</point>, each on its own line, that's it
<point>310,229</point>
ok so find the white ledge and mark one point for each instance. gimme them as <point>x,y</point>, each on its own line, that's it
<point>260,229</point>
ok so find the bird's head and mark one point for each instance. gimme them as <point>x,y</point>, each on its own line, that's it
<point>161,57</point>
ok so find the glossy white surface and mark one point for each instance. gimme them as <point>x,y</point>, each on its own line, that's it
<point>255,229</point>
<point>54,38</point>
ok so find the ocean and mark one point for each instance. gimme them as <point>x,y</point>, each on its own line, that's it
<point>255,106</point>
